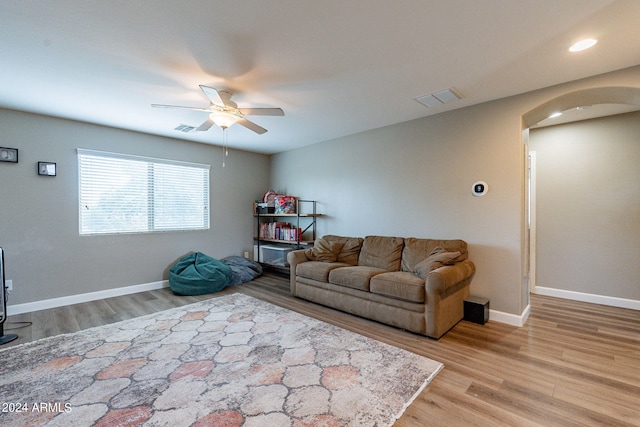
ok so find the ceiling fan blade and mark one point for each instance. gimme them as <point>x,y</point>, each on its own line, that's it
<point>212,94</point>
<point>251,126</point>
<point>205,126</point>
<point>261,111</point>
<point>179,106</point>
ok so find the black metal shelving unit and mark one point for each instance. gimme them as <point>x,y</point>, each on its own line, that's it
<point>306,211</point>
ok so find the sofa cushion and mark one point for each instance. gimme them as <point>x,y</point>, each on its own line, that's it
<point>417,250</point>
<point>381,252</point>
<point>324,250</point>
<point>350,248</point>
<point>317,270</point>
<point>399,284</point>
<point>356,277</point>
<point>438,258</point>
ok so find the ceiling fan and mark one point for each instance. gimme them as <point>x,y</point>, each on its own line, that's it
<point>224,112</point>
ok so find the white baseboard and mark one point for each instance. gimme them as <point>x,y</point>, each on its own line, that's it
<point>79,298</point>
<point>510,319</point>
<point>593,298</point>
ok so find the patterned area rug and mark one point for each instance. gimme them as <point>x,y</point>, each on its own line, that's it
<point>227,361</point>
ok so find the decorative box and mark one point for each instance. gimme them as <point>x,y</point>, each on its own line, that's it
<point>285,204</point>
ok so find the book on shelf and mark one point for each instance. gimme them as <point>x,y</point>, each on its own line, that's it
<point>280,231</point>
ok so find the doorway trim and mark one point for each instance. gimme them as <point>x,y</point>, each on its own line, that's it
<point>532,220</point>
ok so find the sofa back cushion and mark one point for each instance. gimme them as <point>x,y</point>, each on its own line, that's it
<point>416,250</point>
<point>381,252</point>
<point>350,249</point>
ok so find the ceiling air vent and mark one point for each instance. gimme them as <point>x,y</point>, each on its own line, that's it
<point>185,128</point>
<point>438,98</point>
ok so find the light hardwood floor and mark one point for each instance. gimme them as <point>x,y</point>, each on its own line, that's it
<point>572,364</point>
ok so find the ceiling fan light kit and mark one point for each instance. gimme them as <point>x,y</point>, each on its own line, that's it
<point>223,119</point>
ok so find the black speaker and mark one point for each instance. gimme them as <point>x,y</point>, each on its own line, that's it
<point>476,310</point>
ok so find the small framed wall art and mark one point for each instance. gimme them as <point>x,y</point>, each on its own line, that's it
<point>8,155</point>
<point>46,168</point>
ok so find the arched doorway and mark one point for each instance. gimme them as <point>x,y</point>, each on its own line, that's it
<point>588,97</point>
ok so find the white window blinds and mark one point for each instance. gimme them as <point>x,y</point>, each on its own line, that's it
<point>130,194</point>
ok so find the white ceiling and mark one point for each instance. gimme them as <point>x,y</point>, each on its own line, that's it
<point>336,67</point>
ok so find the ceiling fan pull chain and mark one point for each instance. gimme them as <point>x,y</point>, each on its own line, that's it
<point>225,148</point>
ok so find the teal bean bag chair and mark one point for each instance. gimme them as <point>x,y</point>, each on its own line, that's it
<point>198,274</point>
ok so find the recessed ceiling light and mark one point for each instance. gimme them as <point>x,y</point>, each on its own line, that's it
<point>582,45</point>
<point>554,115</point>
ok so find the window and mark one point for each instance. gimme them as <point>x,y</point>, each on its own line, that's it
<point>130,194</point>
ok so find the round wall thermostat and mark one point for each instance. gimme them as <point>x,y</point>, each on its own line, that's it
<point>479,188</point>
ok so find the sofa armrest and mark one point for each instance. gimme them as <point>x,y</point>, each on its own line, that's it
<point>294,258</point>
<point>446,288</point>
<point>442,280</point>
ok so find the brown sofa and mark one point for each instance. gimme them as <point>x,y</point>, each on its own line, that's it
<point>414,284</point>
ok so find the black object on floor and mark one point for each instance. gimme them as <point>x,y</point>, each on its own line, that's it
<point>476,310</point>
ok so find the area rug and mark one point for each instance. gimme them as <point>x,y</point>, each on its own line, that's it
<point>228,361</point>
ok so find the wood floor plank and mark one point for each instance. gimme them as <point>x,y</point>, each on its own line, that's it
<point>86,316</point>
<point>623,406</point>
<point>572,363</point>
<point>441,406</point>
<point>549,410</point>
<point>43,324</point>
<point>627,361</point>
<point>102,309</point>
<point>65,320</point>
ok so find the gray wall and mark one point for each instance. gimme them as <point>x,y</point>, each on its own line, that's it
<point>588,206</point>
<point>415,178</point>
<point>45,255</point>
